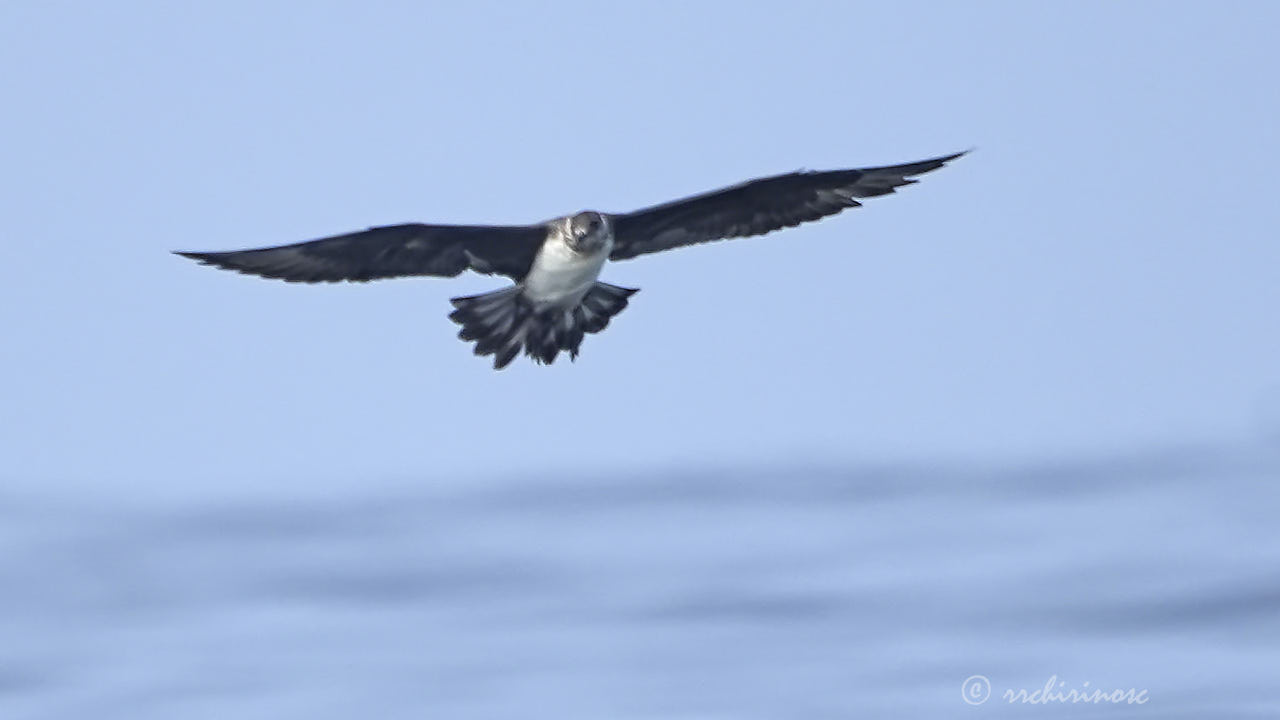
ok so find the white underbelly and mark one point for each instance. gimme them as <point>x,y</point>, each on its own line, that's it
<point>560,276</point>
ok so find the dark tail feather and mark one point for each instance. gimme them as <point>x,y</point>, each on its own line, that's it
<point>504,322</point>
<point>601,302</point>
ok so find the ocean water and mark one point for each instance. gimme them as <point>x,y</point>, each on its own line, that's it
<point>806,592</point>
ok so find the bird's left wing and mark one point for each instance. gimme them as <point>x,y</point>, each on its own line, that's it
<point>757,207</point>
<point>391,251</point>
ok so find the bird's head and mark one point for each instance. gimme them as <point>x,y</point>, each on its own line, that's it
<point>587,232</point>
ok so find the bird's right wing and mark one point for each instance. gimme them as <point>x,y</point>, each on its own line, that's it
<point>391,251</point>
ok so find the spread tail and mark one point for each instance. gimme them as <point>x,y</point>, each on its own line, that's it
<point>503,322</point>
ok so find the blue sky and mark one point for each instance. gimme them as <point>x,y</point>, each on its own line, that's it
<point>1100,275</point>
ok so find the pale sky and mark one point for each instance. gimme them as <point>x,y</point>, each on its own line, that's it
<point>1099,275</point>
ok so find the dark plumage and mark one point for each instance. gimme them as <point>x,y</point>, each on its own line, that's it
<point>757,207</point>
<point>391,251</point>
<point>556,299</point>
<point>503,322</point>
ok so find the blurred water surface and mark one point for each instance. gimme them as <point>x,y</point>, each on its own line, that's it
<point>803,592</point>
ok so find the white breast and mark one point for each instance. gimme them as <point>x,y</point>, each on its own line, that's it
<point>560,276</point>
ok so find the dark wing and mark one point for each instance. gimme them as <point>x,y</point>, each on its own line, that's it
<point>391,251</point>
<point>757,207</point>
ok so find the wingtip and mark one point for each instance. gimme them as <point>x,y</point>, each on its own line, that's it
<point>919,168</point>
<point>948,158</point>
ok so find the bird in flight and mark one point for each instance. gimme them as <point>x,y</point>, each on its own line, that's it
<point>557,299</point>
